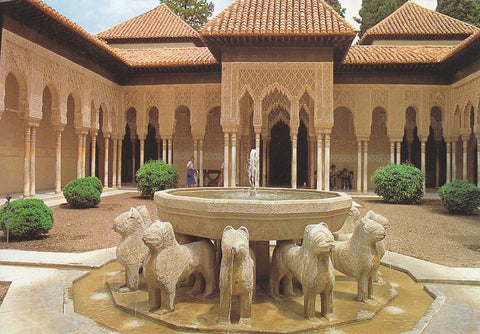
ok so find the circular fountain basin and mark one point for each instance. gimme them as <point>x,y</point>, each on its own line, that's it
<point>273,214</point>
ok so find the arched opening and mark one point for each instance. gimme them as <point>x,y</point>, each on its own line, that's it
<point>343,145</point>
<point>247,138</point>
<point>379,145</point>
<point>472,162</point>
<point>280,153</point>
<point>69,144</point>
<point>45,146</point>
<point>411,147</point>
<point>11,140</point>
<point>130,153</point>
<point>100,149</point>
<point>435,162</point>
<point>182,142</point>
<point>152,148</point>
<point>302,155</point>
<point>213,147</point>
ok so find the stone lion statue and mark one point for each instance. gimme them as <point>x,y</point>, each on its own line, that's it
<point>310,264</point>
<point>352,220</point>
<point>131,251</point>
<point>237,274</point>
<point>360,256</point>
<point>168,263</point>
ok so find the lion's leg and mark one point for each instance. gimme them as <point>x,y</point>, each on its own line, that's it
<point>309,296</point>
<point>274,283</point>
<point>370,286</point>
<point>246,309</point>
<point>327,301</point>
<point>210,280</point>
<point>197,285</point>
<point>224,305</point>
<point>168,299</point>
<point>287,285</point>
<point>131,275</point>
<point>154,297</point>
<point>362,291</point>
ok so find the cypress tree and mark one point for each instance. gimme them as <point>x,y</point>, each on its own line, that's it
<point>374,11</point>
<point>335,4</point>
<point>463,10</point>
<point>195,12</point>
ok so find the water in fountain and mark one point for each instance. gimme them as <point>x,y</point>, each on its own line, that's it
<point>252,169</point>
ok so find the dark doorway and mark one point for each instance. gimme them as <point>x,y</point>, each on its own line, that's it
<point>434,148</point>
<point>151,148</point>
<point>127,157</point>
<point>280,156</point>
<point>302,156</point>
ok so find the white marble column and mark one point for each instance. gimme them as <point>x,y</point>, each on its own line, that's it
<point>84,152</point>
<point>226,158</point>
<point>454,160</point>
<point>392,151</point>
<point>33,141</point>
<point>26,161</point>
<point>319,161</point>
<point>365,166</point>
<point>449,161</point>
<point>114,162</point>
<point>398,149</point>
<point>58,160</point>
<point>326,172</point>
<point>423,166</point>
<point>142,151</point>
<point>465,152</point>
<point>93,152</point>
<point>105,170</point>
<point>234,160</point>
<point>293,137</point>
<point>201,162</point>
<point>257,146</point>
<point>170,150</point>
<point>359,166</point>
<point>164,150</point>
<point>119,163</point>
<point>79,155</point>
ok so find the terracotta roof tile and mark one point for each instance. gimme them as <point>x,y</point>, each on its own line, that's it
<point>381,54</point>
<point>160,22</point>
<point>276,18</point>
<point>195,56</point>
<point>412,21</point>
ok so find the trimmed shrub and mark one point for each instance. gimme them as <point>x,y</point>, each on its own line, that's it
<point>27,218</point>
<point>156,175</point>
<point>459,197</point>
<point>399,184</point>
<point>83,193</point>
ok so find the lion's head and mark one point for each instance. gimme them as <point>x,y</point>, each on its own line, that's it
<point>129,222</point>
<point>159,235</point>
<point>369,230</point>
<point>235,242</point>
<point>318,239</point>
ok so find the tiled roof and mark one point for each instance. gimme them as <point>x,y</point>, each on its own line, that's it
<point>412,21</point>
<point>463,46</point>
<point>277,18</point>
<point>195,56</point>
<point>160,22</point>
<point>380,54</point>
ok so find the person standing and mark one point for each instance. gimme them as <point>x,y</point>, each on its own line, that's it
<point>191,172</point>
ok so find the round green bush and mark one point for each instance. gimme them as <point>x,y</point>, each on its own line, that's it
<point>399,184</point>
<point>459,197</point>
<point>83,193</point>
<point>156,175</point>
<point>27,218</point>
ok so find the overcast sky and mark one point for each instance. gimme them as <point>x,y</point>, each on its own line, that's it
<point>98,15</point>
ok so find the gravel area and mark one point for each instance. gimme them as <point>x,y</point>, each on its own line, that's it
<point>423,231</point>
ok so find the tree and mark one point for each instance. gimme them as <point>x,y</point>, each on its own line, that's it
<point>335,4</point>
<point>195,12</point>
<point>374,11</point>
<point>463,10</point>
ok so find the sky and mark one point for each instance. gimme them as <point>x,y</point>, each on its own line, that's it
<point>98,15</point>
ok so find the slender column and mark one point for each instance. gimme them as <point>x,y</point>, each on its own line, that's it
<point>264,163</point>
<point>226,162</point>
<point>465,150</point>
<point>234,160</point>
<point>84,152</point>
<point>164,150</point>
<point>294,160</point>
<point>201,162</point>
<point>119,163</point>
<point>359,166</point>
<point>114,161</point>
<point>170,151</point>
<point>365,166</point>
<point>454,160</point>
<point>449,161</point>
<point>33,140</point>
<point>326,173</point>
<point>26,164</point>
<point>142,151</point>
<point>79,156</point>
<point>392,152</point>
<point>195,154</point>
<point>478,161</point>
<point>423,149</point>
<point>399,147</point>
<point>437,164</point>
<point>105,175</point>
<point>257,146</point>
<point>134,142</point>
<point>319,161</point>
<point>58,161</point>
<point>93,152</point>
